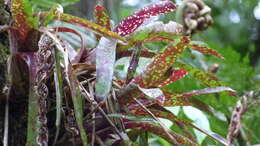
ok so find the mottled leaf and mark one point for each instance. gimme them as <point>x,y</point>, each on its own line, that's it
<point>185,99</point>
<point>160,132</point>
<point>157,28</point>
<point>210,90</point>
<point>154,32</point>
<point>131,23</point>
<point>154,73</point>
<point>204,50</point>
<point>101,18</point>
<point>177,99</point>
<point>205,78</point>
<point>84,23</point>
<point>23,18</point>
<point>176,75</point>
<point>163,113</point>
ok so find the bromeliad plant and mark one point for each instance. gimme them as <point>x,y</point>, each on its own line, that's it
<point>92,105</point>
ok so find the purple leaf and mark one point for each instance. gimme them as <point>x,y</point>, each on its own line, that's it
<point>105,59</point>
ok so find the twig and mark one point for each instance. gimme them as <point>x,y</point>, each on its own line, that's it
<point>93,114</point>
<point>242,106</point>
<point>101,111</point>
<point>160,123</point>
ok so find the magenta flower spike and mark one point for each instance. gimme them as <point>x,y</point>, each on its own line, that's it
<point>131,23</point>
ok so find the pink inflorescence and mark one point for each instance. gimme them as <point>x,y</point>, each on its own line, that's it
<point>131,23</point>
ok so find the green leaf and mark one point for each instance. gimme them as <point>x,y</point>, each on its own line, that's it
<point>143,139</point>
<point>51,14</point>
<point>59,90</point>
<point>33,104</point>
<point>47,4</point>
<point>77,103</point>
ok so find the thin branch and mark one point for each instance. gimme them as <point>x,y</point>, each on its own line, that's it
<point>160,123</point>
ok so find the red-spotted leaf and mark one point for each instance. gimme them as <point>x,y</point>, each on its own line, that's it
<point>101,18</point>
<point>84,23</point>
<point>153,32</point>
<point>131,23</point>
<point>164,113</point>
<point>148,38</point>
<point>147,126</point>
<point>153,93</point>
<point>177,99</point>
<point>176,75</point>
<point>210,90</point>
<point>205,78</point>
<point>23,17</point>
<point>158,38</point>
<point>158,28</point>
<point>205,50</point>
<point>155,72</point>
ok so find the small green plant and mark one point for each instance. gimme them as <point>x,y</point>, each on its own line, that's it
<point>92,105</point>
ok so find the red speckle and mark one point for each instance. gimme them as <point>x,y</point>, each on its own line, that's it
<point>132,22</point>
<point>176,75</point>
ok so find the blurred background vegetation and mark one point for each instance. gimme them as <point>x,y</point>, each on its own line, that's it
<point>235,34</point>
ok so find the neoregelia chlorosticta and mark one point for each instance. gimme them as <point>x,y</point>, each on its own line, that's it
<point>106,49</point>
